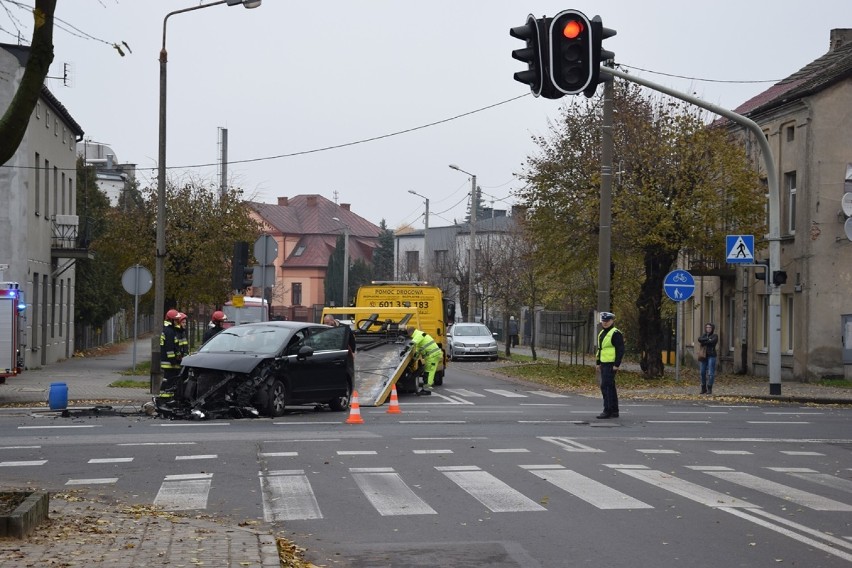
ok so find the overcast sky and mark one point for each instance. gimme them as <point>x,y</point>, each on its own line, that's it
<point>293,77</point>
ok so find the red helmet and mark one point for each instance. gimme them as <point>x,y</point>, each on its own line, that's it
<point>172,314</point>
<point>181,317</point>
<point>218,315</point>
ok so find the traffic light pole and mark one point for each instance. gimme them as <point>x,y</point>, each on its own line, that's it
<point>773,236</point>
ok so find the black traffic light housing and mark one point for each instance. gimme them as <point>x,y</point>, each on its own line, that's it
<point>762,269</point>
<point>536,56</point>
<point>239,265</point>
<point>570,45</point>
<point>779,277</point>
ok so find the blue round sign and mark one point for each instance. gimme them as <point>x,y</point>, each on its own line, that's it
<point>679,285</point>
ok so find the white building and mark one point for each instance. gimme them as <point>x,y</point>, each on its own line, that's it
<point>38,218</point>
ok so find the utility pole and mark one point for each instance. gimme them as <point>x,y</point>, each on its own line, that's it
<point>471,294</point>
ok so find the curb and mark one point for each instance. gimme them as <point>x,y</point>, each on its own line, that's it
<point>21,522</point>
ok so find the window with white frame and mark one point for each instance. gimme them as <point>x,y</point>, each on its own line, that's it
<point>412,261</point>
<point>788,323</point>
<point>730,323</point>
<point>762,339</point>
<point>790,186</point>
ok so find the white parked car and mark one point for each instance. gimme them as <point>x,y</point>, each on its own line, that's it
<point>469,340</point>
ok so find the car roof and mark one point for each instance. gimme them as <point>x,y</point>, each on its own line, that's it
<point>282,324</point>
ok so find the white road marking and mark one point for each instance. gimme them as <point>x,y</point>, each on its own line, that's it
<point>356,452</point>
<point>467,393</point>
<point>288,496</point>
<point>731,452</point>
<point>279,454</point>
<point>587,489</point>
<point>816,477</point>
<point>549,394</point>
<point>653,451</point>
<point>750,516</point>
<point>691,491</point>
<point>157,444</point>
<point>423,452</point>
<point>190,424</point>
<point>570,445</point>
<point>386,491</point>
<point>506,393</point>
<point>59,427</point>
<point>774,422</point>
<point>110,460</point>
<point>792,453</point>
<point>22,463</point>
<point>488,490</point>
<point>197,457</point>
<point>784,492</point>
<point>509,450</point>
<point>96,481</point>
<point>432,422</point>
<point>20,447</point>
<point>183,492</point>
<point>678,422</point>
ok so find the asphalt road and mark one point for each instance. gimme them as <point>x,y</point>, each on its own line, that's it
<point>485,472</point>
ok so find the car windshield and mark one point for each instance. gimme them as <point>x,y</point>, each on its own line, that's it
<point>265,340</point>
<point>470,330</point>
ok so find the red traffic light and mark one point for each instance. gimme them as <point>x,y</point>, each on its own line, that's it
<point>572,29</point>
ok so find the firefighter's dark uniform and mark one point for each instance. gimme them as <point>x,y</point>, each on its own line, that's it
<point>170,354</point>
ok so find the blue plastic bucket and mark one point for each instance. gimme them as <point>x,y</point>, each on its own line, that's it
<point>57,398</point>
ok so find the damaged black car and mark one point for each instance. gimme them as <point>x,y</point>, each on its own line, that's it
<point>260,369</point>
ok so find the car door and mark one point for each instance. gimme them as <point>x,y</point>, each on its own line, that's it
<point>323,374</point>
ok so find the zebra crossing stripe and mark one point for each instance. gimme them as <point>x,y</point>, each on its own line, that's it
<point>22,463</point>
<point>570,445</point>
<point>97,481</point>
<point>507,394</point>
<point>824,479</point>
<point>587,489</point>
<point>467,393</point>
<point>186,491</point>
<point>388,493</point>
<point>288,496</point>
<point>804,498</point>
<point>691,491</point>
<point>488,490</point>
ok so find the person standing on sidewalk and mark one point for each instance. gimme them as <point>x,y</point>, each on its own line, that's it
<point>708,340</point>
<point>608,357</point>
<point>513,331</point>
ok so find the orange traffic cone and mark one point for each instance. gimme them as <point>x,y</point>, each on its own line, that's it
<point>393,407</point>
<point>354,410</point>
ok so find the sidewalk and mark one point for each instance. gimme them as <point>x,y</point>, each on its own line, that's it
<point>745,387</point>
<point>84,533</point>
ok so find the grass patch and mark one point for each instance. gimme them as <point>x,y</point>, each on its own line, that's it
<point>130,384</point>
<point>578,377</point>
<point>143,369</point>
<point>836,383</point>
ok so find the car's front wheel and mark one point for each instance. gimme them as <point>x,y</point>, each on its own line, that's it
<point>341,403</point>
<point>276,399</point>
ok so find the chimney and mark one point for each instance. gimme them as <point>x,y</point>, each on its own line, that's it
<point>839,38</point>
<point>345,206</point>
<point>312,200</point>
<point>283,201</point>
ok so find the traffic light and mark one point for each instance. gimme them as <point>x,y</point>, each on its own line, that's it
<point>761,274</point>
<point>779,277</point>
<point>571,53</point>
<point>238,265</point>
<point>533,55</point>
<point>599,54</point>
<point>248,277</point>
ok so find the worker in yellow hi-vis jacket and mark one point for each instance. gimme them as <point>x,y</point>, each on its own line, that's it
<point>425,347</point>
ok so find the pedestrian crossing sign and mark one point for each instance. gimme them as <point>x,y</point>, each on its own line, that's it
<point>740,249</point>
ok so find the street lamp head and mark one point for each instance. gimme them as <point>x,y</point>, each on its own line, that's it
<point>455,167</point>
<point>249,4</point>
<point>412,192</point>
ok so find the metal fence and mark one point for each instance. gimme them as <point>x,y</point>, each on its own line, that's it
<point>116,329</point>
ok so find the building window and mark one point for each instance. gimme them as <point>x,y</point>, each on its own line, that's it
<point>53,309</point>
<point>763,323</point>
<point>790,185</point>
<point>788,335</point>
<point>791,133</point>
<point>729,324</point>
<point>61,304</point>
<point>37,183</point>
<point>46,189</point>
<point>55,194</point>
<point>38,110</point>
<point>412,261</point>
<point>47,119</point>
<point>296,294</point>
<point>63,194</point>
<point>299,250</point>
<point>64,135</point>
<point>70,196</point>
<point>56,127</point>
<point>441,258</point>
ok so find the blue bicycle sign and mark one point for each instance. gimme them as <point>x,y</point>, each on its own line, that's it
<point>679,285</point>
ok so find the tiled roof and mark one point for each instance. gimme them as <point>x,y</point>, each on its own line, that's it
<point>831,68</point>
<point>311,217</point>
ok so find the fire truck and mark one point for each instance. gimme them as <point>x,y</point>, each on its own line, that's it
<point>12,306</point>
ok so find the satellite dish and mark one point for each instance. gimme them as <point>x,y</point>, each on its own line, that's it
<point>848,228</point>
<point>846,204</point>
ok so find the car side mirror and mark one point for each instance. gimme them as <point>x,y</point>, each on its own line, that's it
<point>305,351</point>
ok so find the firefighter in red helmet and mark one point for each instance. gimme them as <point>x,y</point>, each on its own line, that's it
<point>216,325</point>
<point>170,355</point>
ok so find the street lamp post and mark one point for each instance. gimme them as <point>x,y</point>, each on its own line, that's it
<point>471,264</point>
<point>160,260</point>
<point>425,233</point>
<point>345,261</point>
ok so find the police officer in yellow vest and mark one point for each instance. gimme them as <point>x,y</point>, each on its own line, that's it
<point>425,347</point>
<point>608,359</point>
